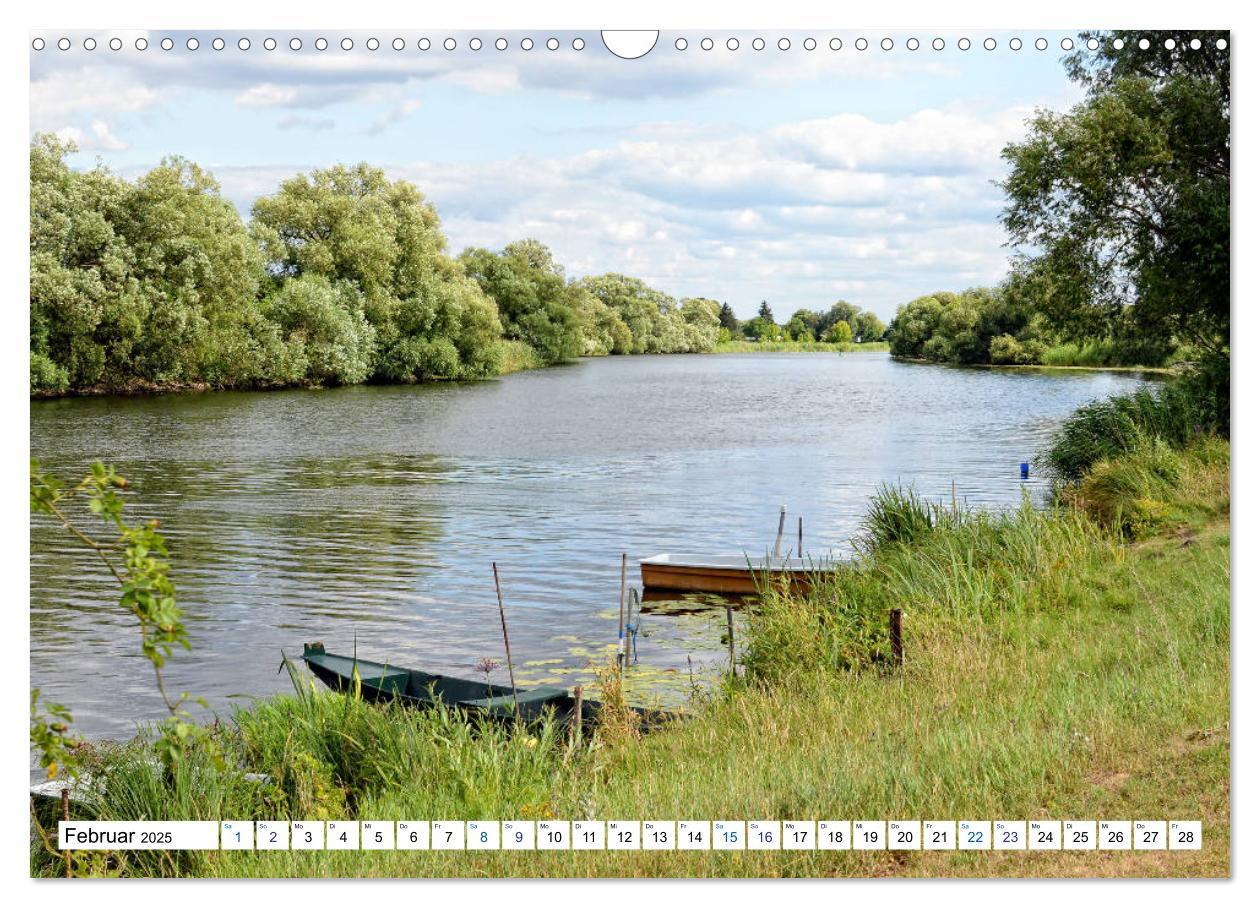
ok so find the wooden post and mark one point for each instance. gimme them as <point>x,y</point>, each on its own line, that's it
<point>800,537</point>
<point>507,644</point>
<point>621,618</point>
<point>778,539</point>
<point>65,815</point>
<point>894,636</point>
<point>576,721</point>
<point>730,637</point>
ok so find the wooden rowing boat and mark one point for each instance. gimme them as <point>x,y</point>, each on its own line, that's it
<point>727,574</point>
<point>380,682</point>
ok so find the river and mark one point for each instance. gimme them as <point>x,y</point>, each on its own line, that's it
<point>370,516</point>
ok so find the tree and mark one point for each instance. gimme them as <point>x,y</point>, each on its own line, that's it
<point>1121,205</point>
<point>802,326</point>
<point>154,282</point>
<point>352,225</point>
<point>327,338</point>
<point>533,299</point>
<point>839,333</point>
<point>764,313</point>
<point>866,327</point>
<point>840,311</point>
<point>727,319</point>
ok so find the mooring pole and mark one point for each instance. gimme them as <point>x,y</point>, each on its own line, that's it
<point>894,636</point>
<point>800,537</point>
<point>576,721</point>
<point>778,539</point>
<point>621,619</point>
<point>507,644</point>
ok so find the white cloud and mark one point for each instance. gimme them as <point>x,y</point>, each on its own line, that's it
<point>62,94</point>
<point>398,112</point>
<point>798,214</point>
<point>268,94</point>
<point>97,137</point>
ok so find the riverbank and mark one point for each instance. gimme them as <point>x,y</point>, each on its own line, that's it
<point>1057,667</point>
<point>797,347</point>
<point>1174,369</point>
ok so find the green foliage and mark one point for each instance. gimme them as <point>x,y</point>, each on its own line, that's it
<point>52,738</point>
<point>352,227</point>
<point>1176,414</point>
<point>327,339</point>
<point>839,333</point>
<point>1125,198</point>
<point>147,283</point>
<point>535,303</point>
<point>136,558</point>
<point>896,515</point>
<point>655,322</point>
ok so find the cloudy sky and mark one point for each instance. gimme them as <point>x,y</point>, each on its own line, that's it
<point>793,175</point>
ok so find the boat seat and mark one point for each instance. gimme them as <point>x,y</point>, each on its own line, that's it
<point>536,697</point>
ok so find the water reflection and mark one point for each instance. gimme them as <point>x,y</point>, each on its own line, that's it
<point>372,514</point>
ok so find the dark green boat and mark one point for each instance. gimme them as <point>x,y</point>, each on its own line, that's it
<point>381,683</point>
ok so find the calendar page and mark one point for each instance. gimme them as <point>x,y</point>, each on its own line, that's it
<point>699,452</point>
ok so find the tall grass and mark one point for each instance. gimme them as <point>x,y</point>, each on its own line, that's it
<point>1114,354</point>
<point>1174,414</point>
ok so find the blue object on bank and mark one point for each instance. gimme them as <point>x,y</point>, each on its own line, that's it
<point>1023,470</point>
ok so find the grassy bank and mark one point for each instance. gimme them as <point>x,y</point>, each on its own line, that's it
<point>1103,354</point>
<point>741,346</point>
<point>1062,663</point>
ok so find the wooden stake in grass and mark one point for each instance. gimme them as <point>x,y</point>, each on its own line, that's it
<point>894,636</point>
<point>730,637</point>
<point>65,816</point>
<point>507,644</point>
<point>778,539</point>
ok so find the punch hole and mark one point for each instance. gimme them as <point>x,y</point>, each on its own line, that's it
<point>632,44</point>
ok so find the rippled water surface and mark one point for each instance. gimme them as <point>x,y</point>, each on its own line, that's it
<point>373,513</point>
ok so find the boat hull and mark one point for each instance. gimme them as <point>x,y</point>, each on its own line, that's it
<point>665,573</point>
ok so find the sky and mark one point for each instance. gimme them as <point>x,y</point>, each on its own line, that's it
<point>794,175</point>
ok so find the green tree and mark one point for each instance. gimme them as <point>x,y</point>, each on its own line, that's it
<point>327,339</point>
<point>1122,204</point>
<point>839,333</point>
<point>152,282</point>
<point>764,312</point>
<point>866,327</point>
<point>728,319</point>
<point>534,301</point>
<point>802,326</point>
<point>351,225</point>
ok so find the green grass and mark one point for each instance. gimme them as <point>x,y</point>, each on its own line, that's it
<point>1058,666</point>
<point>745,346</point>
<point>1106,429</point>
<point>1104,354</point>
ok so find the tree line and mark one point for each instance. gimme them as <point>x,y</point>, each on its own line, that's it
<point>1118,211</point>
<point>843,323</point>
<point>340,277</point>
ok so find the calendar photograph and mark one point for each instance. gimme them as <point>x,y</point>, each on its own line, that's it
<point>707,453</point>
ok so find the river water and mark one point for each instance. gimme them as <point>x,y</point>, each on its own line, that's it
<point>370,516</point>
